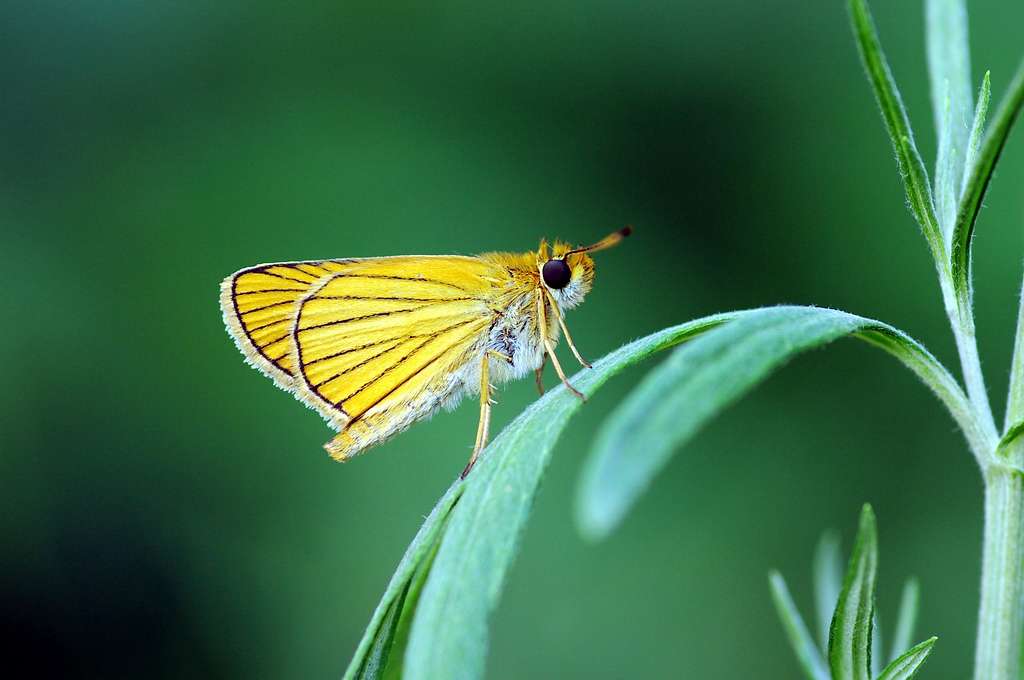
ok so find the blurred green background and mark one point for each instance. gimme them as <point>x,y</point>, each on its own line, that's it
<point>167,512</point>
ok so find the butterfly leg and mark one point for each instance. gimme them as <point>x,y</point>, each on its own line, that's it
<point>568,339</point>
<point>540,374</point>
<point>551,348</point>
<point>483,429</point>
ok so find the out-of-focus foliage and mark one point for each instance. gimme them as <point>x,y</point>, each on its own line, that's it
<point>168,512</point>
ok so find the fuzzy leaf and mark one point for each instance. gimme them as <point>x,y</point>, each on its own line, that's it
<point>907,618</point>
<point>947,170</point>
<point>849,645</point>
<point>949,68</point>
<point>803,644</point>
<point>977,129</point>
<point>828,581</point>
<point>978,177</point>
<point>448,637</point>
<point>915,177</point>
<point>908,664</point>
<point>703,377</point>
<point>1015,430</point>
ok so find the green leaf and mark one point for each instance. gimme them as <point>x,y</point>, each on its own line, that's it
<point>828,581</point>
<point>907,618</point>
<point>979,174</point>
<point>803,645</point>
<point>915,177</point>
<point>1014,422</point>
<point>946,172</point>
<point>960,239</point>
<point>1011,435</point>
<point>977,130</point>
<point>394,662</point>
<point>448,637</point>
<point>703,377</point>
<point>375,661</point>
<point>907,665</point>
<point>876,647</point>
<point>849,645</point>
<point>949,68</point>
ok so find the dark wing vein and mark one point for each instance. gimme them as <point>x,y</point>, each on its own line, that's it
<point>287,278</point>
<point>366,345</point>
<point>392,277</point>
<point>270,306</point>
<point>429,338</point>
<point>412,375</point>
<point>375,315</point>
<point>362,363</point>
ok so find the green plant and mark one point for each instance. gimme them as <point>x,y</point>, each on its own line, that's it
<point>848,635</point>
<point>432,620</point>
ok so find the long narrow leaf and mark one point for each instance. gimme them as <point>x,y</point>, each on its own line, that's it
<point>448,638</point>
<point>949,68</point>
<point>1014,423</point>
<point>849,646</point>
<point>907,665</point>
<point>977,130</point>
<point>980,174</point>
<point>374,662</point>
<point>947,167</point>
<point>915,177</point>
<point>803,644</point>
<point>876,647</point>
<point>1012,432</point>
<point>394,663</point>
<point>828,581</point>
<point>907,618</point>
<point>703,377</point>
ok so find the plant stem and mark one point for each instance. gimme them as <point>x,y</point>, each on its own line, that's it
<point>974,380</point>
<point>959,310</point>
<point>1001,615</point>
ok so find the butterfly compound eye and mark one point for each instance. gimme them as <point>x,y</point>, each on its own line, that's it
<point>556,274</point>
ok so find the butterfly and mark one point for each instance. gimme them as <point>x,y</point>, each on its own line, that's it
<point>377,344</point>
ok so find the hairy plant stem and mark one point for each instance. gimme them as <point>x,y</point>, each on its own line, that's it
<point>974,380</point>
<point>1001,614</point>
<point>960,311</point>
<point>1001,611</point>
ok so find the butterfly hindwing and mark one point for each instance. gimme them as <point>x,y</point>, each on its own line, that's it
<point>259,306</point>
<point>379,346</point>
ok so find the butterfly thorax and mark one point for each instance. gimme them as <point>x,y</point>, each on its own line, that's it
<point>515,304</point>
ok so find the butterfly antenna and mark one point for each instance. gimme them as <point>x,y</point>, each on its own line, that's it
<point>607,242</point>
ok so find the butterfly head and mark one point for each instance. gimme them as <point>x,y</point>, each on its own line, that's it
<point>568,272</point>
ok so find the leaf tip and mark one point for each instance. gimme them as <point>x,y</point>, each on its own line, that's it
<point>867,519</point>
<point>595,517</point>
